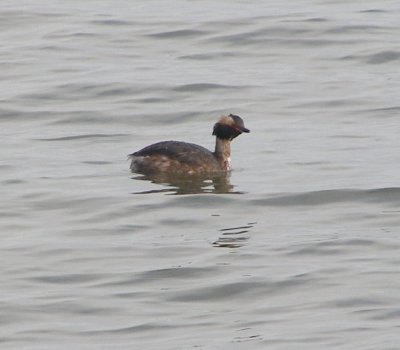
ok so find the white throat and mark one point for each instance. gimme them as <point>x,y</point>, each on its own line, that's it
<point>223,153</point>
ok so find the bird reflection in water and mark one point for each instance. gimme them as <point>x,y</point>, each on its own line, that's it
<point>233,237</point>
<point>189,184</point>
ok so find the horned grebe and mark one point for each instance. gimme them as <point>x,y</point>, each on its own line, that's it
<point>188,158</point>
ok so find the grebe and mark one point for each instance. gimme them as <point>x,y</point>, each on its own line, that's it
<point>188,158</point>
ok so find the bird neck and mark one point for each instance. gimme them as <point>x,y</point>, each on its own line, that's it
<point>223,153</point>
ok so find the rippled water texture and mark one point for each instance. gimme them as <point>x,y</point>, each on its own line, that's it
<point>297,249</point>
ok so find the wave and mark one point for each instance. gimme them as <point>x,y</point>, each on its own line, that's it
<point>325,197</point>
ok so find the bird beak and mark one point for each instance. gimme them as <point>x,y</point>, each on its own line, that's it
<point>242,129</point>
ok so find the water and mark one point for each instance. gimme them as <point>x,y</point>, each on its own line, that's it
<point>298,249</point>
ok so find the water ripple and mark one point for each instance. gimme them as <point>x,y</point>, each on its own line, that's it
<point>179,34</point>
<point>380,195</point>
<point>205,87</point>
<point>82,137</point>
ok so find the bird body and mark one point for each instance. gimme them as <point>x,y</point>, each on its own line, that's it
<point>188,158</point>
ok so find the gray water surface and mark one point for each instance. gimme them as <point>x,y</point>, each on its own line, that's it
<point>297,249</point>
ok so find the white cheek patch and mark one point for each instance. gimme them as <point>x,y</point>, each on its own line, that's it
<point>225,120</point>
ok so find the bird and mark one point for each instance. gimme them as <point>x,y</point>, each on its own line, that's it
<point>177,157</point>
